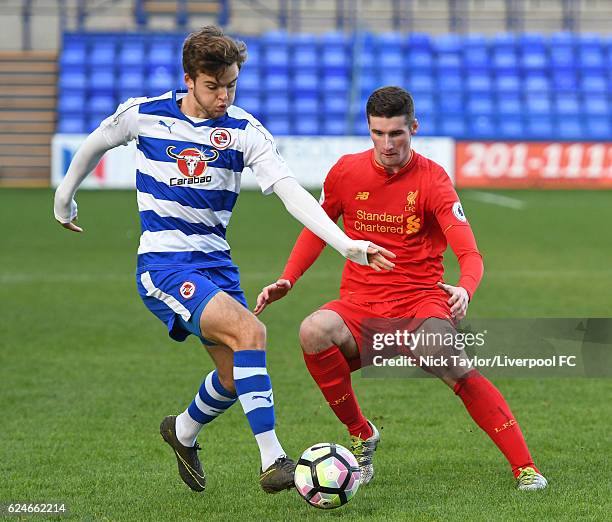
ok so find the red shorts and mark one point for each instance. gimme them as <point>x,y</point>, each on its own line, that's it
<point>418,306</point>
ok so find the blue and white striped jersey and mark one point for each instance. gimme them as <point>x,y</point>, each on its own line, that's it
<point>188,176</point>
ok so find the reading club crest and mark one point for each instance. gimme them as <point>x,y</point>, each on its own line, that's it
<point>191,161</point>
<point>187,290</point>
<point>220,138</point>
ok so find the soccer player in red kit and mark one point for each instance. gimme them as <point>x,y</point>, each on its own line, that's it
<point>398,199</point>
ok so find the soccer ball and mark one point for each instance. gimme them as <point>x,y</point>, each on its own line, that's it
<point>327,475</point>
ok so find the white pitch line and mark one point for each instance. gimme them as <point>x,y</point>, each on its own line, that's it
<point>496,199</point>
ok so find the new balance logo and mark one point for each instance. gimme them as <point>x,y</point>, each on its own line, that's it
<point>268,398</point>
<point>362,196</point>
<point>164,124</point>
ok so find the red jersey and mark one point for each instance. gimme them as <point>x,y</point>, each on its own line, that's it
<point>410,213</point>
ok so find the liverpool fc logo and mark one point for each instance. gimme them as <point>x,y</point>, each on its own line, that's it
<point>411,201</point>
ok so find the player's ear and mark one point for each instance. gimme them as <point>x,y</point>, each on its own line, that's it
<point>188,81</point>
<point>414,127</point>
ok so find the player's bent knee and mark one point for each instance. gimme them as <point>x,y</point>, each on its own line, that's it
<point>251,336</point>
<point>315,336</point>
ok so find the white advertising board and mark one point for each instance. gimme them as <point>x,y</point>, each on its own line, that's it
<point>310,158</point>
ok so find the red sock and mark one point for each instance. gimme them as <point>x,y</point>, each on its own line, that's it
<point>490,411</point>
<point>332,374</point>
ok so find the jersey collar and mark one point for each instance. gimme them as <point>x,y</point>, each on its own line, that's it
<point>404,170</point>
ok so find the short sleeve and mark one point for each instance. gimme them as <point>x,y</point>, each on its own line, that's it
<point>122,126</point>
<point>330,200</point>
<point>263,158</point>
<point>444,202</point>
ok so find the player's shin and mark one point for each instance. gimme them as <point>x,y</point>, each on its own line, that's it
<point>331,372</point>
<point>211,401</point>
<point>254,390</point>
<point>490,411</point>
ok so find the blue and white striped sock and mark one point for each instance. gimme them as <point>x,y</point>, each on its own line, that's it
<point>210,402</point>
<point>254,391</point>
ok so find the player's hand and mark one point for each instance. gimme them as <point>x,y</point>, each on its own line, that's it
<point>271,293</point>
<point>71,226</point>
<point>458,301</point>
<point>378,258</point>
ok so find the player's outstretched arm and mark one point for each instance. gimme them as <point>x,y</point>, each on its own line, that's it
<point>84,161</point>
<point>301,205</point>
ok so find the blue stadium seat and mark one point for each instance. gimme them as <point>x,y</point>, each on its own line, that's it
<point>102,54</point>
<point>131,79</point>
<point>250,103</point>
<point>278,125</point>
<point>570,129</point>
<point>448,43</point>
<point>132,53</point>
<point>596,105</point>
<point>335,82</point>
<point>503,59</point>
<point>534,59</point>
<point>73,54</point>
<point>598,128</point>
<point>306,105</point>
<point>161,80</point>
<point>562,57</point>
<point>564,80</point>
<point>481,104</point>
<point>450,103</point>
<point>307,125</point>
<point>567,104</point>
<point>334,105</point>
<point>478,82</point>
<point>276,57</point>
<point>162,54</point>
<point>591,59</point>
<point>421,82</point>
<point>562,40</point>
<point>336,58</point>
<point>276,105</point>
<point>483,126</point>
<point>531,41</point>
<point>305,82</point>
<point>360,127</point>
<point>536,82</point>
<point>101,80</point>
<point>71,102</point>
<point>419,60</point>
<point>539,127</point>
<point>448,60</point>
<point>249,80</point>
<point>538,104</point>
<point>276,82</point>
<point>335,126</point>
<point>391,58</point>
<point>424,104</point>
<point>101,104</point>
<point>509,106</point>
<point>395,76</point>
<point>305,58</point>
<point>511,128</point>
<point>427,126</point>
<point>453,126</point>
<point>73,79</point>
<point>504,41</point>
<point>416,41</point>
<point>94,120</point>
<point>254,55</point>
<point>73,124</point>
<point>594,83</point>
<point>476,58</point>
<point>507,83</point>
<point>449,82</point>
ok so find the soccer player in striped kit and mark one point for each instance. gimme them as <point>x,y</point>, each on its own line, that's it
<point>192,147</point>
<point>406,203</point>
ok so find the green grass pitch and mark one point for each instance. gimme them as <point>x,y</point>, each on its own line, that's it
<point>87,373</point>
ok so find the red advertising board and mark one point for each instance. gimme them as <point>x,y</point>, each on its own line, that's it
<point>530,164</point>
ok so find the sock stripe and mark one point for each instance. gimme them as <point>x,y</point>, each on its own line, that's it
<point>215,389</point>
<point>257,383</point>
<point>250,359</point>
<point>208,408</point>
<point>198,416</point>
<point>255,400</point>
<point>245,372</point>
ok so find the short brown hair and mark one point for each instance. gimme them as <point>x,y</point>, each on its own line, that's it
<point>210,51</point>
<point>389,102</point>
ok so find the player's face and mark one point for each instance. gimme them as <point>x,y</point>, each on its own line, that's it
<point>392,138</point>
<point>213,95</point>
